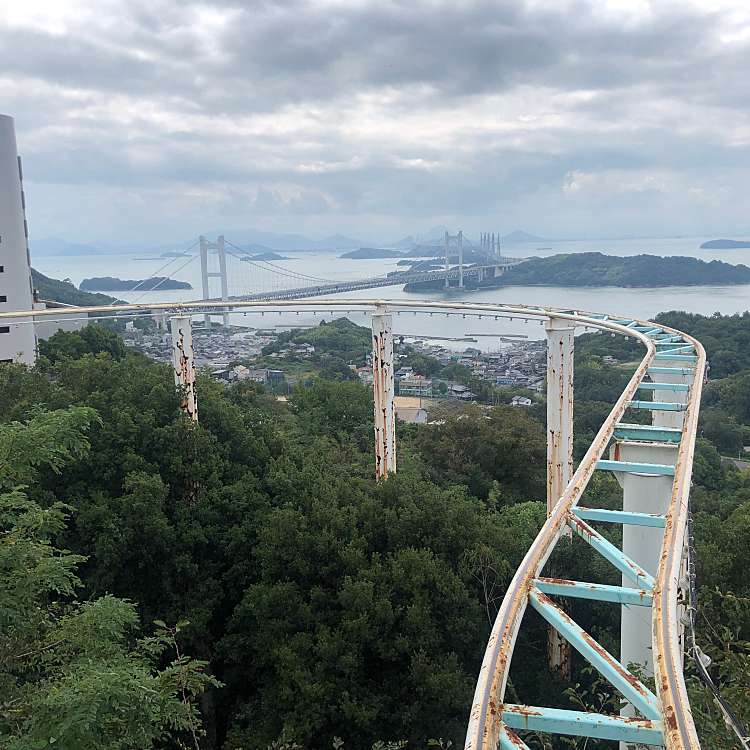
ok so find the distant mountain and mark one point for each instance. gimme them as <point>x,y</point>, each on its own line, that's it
<point>408,242</point>
<point>725,245</point>
<point>253,239</point>
<point>56,246</point>
<point>520,236</point>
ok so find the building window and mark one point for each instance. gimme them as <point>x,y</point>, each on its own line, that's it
<point>3,297</point>
<point>4,329</point>
<point>2,269</point>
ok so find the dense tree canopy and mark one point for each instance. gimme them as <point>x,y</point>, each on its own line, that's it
<point>73,674</point>
<point>327,604</point>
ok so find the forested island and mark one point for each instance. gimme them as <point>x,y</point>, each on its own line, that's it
<point>598,269</point>
<point>725,244</point>
<point>112,284</point>
<point>371,253</point>
<point>267,255</point>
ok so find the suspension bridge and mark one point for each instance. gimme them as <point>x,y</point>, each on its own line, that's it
<point>651,461</point>
<point>229,272</point>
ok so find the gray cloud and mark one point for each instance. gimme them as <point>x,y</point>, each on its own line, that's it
<point>376,116</point>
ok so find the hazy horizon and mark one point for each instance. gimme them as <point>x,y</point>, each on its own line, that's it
<point>146,122</point>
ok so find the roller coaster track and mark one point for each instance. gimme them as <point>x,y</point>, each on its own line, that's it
<point>672,368</point>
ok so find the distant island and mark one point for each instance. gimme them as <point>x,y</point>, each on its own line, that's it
<point>372,252</point>
<point>598,270</point>
<point>270,255</point>
<point>111,284</point>
<point>725,244</point>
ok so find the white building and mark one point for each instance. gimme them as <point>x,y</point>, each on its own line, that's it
<point>17,340</point>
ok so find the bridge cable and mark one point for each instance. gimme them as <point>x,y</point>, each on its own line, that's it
<point>166,278</point>
<point>279,269</point>
<point>154,274</point>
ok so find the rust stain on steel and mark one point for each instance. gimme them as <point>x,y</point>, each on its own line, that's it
<point>525,712</point>
<point>680,733</point>
<point>592,533</point>
<point>384,416</point>
<point>513,738</point>
<point>184,373</point>
<point>483,727</point>
<point>560,581</point>
<point>596,646</point>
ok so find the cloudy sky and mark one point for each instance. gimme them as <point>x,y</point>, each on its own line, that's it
<point>158,119</point>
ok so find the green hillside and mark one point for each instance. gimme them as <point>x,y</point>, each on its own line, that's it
<point>65,292</point>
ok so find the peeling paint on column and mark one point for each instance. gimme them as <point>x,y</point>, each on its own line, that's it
<point>383,392</point>
<point>560,337</point>
<point>183,364</point>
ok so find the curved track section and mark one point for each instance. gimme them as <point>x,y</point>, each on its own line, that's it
<point>661,718</point>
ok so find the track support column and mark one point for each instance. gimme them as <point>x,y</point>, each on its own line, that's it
<point>642,493</point>
<point>383,392</point>
<point>560,337</point>
<point>559,407</point>
<point>680,376</point>
<point>183,363</point>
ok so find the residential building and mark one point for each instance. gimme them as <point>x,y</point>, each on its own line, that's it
<point>17,339</point>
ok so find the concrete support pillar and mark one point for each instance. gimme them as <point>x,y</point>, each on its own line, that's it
<point>684,377</point>
<point>560,336</point>
<point>204,276</point>
<point>383,392</point>
<point>183,363</point>
<point>641,493</point>
<point>560,342</point>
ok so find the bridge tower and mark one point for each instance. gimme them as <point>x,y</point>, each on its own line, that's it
<point>205,247</point>
<point>454,241</point>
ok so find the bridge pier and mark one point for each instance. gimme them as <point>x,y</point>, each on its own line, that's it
<point>560,342</point>
<point>183,364</point>
<point>383,393</point>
